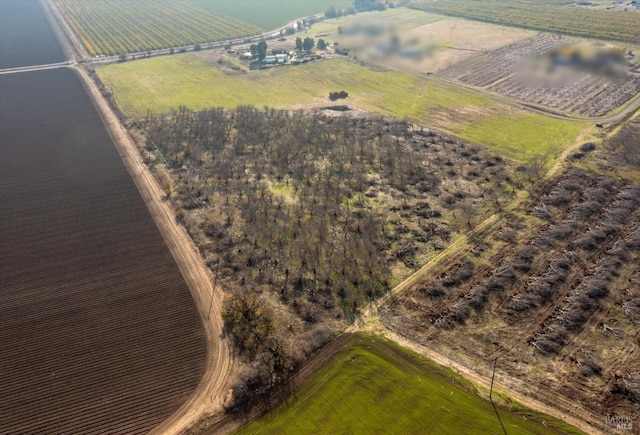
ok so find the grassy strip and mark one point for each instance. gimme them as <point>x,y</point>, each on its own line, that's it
<point>548,17</point>
<point>375,386</point>
<point>544,136</point>
<point>160,84</point>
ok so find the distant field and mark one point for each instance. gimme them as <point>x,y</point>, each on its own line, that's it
<point>112,27</point>
<point>37,42</point>
<point>83,346</point>
<point>272,14</point>
<point>548,17</point>
<point>444,40</point>
<point>375,386</point>
<point>160,84</point>
<point>583,91</point>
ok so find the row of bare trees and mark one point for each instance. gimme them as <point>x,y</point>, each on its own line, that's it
<point>586,213</point>
<point>616,223</point>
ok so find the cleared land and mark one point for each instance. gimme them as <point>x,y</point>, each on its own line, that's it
<point>553,295</point>
<point>546,16</point>
<point>28,40</point>
<point>195,81</point>
<point>582,91</point>
<point>113,27</point>
<point>272,14</point>
<point>408,393</point>
<point>99,332</point>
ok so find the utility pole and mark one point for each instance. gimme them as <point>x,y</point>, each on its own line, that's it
<point>491,396</point>
<point>213,290</point>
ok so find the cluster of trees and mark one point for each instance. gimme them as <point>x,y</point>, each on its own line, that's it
<point>308,43</point>
<point>580,197</point>
<point>332,12</point>
<point>477,296</point>
<point>311,212</point>
<point>293,199</point>
<point>595,217</point>
<point>266,346</point>
<point>358,6</point>
<point>259,50</point>
<point>455,275</point>
<point>369,5</point>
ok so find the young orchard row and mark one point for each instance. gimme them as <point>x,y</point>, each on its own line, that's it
<point>113,27</point>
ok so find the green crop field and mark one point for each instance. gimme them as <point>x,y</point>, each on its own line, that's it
<point>272,14</point>
<point>112,27</point>
<point>546,16</point>
<point>401,19</point>
<point>160,84</point>
<point>375,386</point>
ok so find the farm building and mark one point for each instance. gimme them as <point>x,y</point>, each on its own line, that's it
<point>279,59</point>
<point>269,60</point>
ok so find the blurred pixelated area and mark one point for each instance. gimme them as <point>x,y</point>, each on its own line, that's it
<point>570,75</point>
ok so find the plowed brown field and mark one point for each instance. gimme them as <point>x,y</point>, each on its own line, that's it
<point>98,331</point>
<point>25,36</point>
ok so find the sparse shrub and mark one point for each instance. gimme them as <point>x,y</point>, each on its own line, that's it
<point>433,290</point>
<point>587,147</point>
<point>586,209</point>
<point>523,257</point>
<point>586,242</point>
<point>460,311</point>
<point>559,197</point>
<point>589,366</point>
<point>509,235</point>
<point>541,211</point>
<point>458,274</point>
<point>562,231</point>
<point>628,385</point>
<point>477,296</point>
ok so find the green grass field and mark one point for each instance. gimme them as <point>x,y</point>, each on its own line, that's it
<point>272,14</point>
<point>400,18</point>
<point>160,84</point>
<point>375,386</point>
